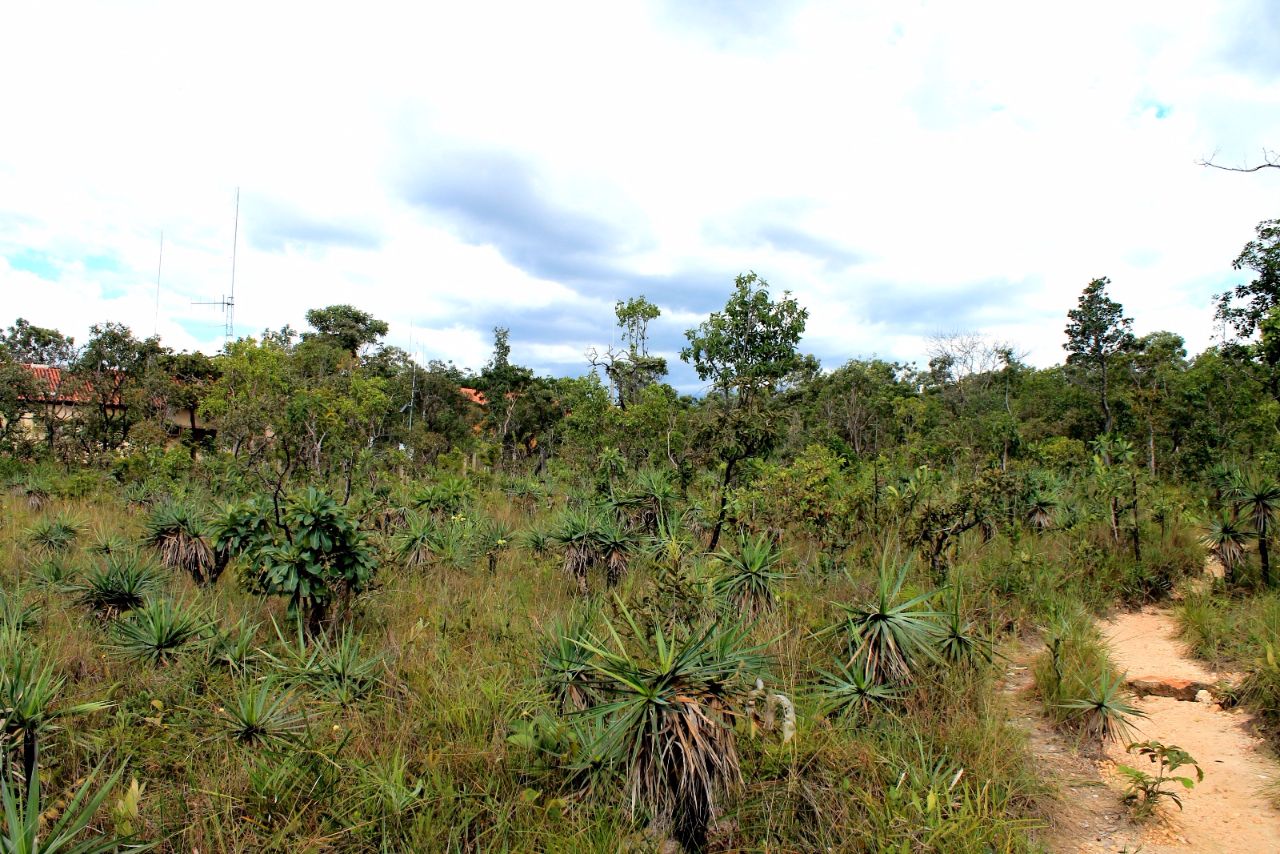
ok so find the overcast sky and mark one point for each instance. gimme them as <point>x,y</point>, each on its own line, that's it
<point>904,168</point>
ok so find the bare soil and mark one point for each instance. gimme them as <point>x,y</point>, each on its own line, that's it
<point>1229,812</point>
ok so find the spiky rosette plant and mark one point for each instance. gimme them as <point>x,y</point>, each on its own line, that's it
<point>35,492</point>
<point>748,575</point>
<point>419,543</point>
<point>120,584</point>
<point>52,537</point>
<point>1227,538</point>
<point>665,723</point>
<point>159,632</point>
<point>615,544</point>
<point>576,534</point>
<point>177,533</point>
<point>891,635</point>
<point>563,663</point>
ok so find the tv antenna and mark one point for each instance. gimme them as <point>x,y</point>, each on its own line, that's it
<point>228,301</point>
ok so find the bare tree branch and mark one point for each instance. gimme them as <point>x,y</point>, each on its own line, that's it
<point>1270,160</point>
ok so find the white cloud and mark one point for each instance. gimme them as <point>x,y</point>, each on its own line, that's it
<point>980,162</point>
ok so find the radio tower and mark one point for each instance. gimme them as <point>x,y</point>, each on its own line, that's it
<point>228,302</point>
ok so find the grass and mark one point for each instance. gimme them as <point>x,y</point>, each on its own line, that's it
<point>432,722</point>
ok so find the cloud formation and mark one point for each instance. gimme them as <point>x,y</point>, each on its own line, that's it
<point>904,169</point>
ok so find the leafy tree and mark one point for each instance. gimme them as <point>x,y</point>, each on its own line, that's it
<point>35,345</point>
<point>746,351</point>
<point>1097,334</point>
<point>346,327</point>
<point>109,375</point>
<point>633,369</point>
<point>1260,296</point>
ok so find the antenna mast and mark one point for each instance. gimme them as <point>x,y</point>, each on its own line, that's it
<point>159,264</point>
<point>228,302</point>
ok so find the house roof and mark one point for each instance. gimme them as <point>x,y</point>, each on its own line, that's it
<point>54,389</point>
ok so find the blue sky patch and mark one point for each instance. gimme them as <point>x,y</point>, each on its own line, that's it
<point>34,261</point>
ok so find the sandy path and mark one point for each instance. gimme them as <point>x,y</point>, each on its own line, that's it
<point>1227,812</point>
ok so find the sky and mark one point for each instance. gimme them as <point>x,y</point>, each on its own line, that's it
<point>905,169</point>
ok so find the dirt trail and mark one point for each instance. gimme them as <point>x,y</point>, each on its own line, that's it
<point>1227,812</point>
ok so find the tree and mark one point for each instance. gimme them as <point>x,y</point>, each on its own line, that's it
<point>633,369</point>
<point>1097,334</point>
<point>346,327</point>
<point>1159,359</point>
<point>1257,497</point>
<point>109,376</point>
<point>746,351</point>
<point>35,345</point>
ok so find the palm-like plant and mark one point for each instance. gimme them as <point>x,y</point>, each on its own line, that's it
<point>234,646</point>
<point>419,543</point>
<point>16,613</point>
<point>447,496</point>
<point>564,666</point>
<point>891,635</point>
<point>614,544</point>
<point>35,491</point>
<point>29,707</point>
<point>1258,498</point>
<point>852,691</point>
<point>177,533</point>
<point>120,584</point>
<point>536,540</point>
<point>260,716</point>
<point>576,534</point>
<point>665,722</point>
<point>158,632</point>
<point>51,537</point>
<point>1226,539</point>
<point>29,830</point>
<point>491,538</point>
<point>1104,713</point>
<point>748,575</point>
<point>958,639</point>
<point>1041,506</point>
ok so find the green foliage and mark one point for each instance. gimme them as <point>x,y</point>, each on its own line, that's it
<point>664,717</point>
<point>120,584</point>
<point>51,537</point>
<point>28,830</point>
<point>893,635</point>
<point>748,577</point>
<point>177,532</point>
<point>259,715</point>
<point>324,555</point>
<point>159,631</point>
<point>1145,790</point>
<point>853,690</point>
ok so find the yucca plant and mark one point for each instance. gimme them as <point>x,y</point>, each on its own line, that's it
<point>334,667</point>
<point>1103,713</point>
<point>853,691</point>
<point>107,543</point>
<point>30,828</point>
<point>177,533</point>
<point>259,715</point>
<point>1041,507</point>
<point>1257,497</point>
<point>491,537</point>
<point>535,540</point>
<point>448,496</point>
<point>50,537</point>
<point>653,495</point>
<point>158,632</point>
<point>419,543</point>
<point>1226,539</point>
<point>16,613</point>
<point>29,707</point>
<point>54,576</point>
<point>614,543</point>
<point>576,534</point>
<point>35,492</point>
<point>958,639</point>
<point>234,647</point>
<point>120,584</point>
<point>748,575</point>
<point>890,636</point>
<point>563,664</point>
<point>665,724</point>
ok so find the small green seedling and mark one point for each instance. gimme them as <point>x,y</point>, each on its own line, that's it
<point>1145,790</point>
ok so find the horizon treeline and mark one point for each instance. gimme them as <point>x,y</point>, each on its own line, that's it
<point>332,400</point>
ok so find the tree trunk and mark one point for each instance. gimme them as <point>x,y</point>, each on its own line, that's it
<point>724,497</point>
<point>1151,448</point>
<point>30,754</point>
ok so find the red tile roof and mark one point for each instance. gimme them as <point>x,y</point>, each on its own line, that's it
<point>50,382</point>
<point>474,395</point>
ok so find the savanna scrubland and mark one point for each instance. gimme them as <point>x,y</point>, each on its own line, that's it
<point>373,605</point>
